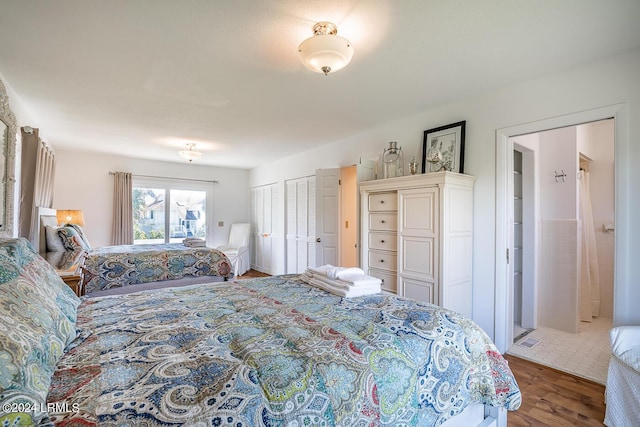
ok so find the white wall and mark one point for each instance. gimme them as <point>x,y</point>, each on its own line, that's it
<point>559,249</point>
<point>83,182</point>
<point>558,153</point>
<point>23,117</point>
<point>604,83</point>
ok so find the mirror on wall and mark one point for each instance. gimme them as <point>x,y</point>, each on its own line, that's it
<point>8,129</point>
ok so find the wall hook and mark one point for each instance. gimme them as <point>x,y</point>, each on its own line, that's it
<point>560,176</point>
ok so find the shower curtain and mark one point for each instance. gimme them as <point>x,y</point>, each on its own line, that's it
<point>589,268</point>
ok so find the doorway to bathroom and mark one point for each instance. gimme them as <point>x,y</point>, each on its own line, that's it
<point>562,247</point>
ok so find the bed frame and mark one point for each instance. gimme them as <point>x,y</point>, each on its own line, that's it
<point>479,415</point>
<point>46,216</point>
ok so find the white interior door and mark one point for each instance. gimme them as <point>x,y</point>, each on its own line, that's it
<point>328,216</point>
<point>262,223</point>
<point>300,224</point>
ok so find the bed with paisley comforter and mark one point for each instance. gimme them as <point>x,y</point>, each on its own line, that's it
<point>257,352</point>
<point>111,267</point>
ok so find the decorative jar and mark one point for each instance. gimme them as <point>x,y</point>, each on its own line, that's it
<point>392,161</point>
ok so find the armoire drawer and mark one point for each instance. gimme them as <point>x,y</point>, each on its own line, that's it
<point>389,279</point>
<point>379,202</point>
<point>383,240</point>
<point>383,221</point>
<point>383,260</point>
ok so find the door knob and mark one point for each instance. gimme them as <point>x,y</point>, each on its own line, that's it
<point>318,240</point>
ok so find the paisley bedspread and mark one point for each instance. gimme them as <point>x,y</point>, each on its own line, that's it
<point>274,352</point>
<point>116,266</point>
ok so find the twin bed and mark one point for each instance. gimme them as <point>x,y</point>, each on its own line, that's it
<point>108,269</point>
<point>111,270</point>
<point>259,352</point>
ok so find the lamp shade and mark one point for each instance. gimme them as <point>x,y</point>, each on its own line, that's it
<point>325,52</point>
<point>70,217</point>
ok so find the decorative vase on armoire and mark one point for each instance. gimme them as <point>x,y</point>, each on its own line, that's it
<point>392,161</point>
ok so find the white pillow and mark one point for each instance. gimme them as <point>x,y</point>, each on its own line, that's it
<point>54,242</point>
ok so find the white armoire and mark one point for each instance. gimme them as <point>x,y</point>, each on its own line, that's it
<point>417,236</point>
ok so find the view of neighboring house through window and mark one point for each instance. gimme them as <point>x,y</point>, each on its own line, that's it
<point>164,214</point>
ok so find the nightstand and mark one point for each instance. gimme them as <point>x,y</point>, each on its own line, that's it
<point>67,265</point>
<point>72,279</point>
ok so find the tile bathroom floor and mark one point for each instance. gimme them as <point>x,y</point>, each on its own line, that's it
<point>585,354</point>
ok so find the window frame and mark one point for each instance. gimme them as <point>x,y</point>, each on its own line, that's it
<point>168,184</point>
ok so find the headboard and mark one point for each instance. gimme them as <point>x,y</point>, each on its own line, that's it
<point>46,216</point>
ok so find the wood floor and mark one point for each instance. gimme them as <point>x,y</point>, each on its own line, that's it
<point>554,398</point>
<point>252,273</point>
<point>549,397</point>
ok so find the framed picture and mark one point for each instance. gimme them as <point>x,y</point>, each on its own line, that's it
<point>443,148</point>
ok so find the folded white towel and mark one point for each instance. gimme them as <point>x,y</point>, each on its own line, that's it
<point>357,280</point>
<point>338,272</point>
<point>348,281</point>
<point>350,292</point>
<point>321,270</point>
<point>338,284</point>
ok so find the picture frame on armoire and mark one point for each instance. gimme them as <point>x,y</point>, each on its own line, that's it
<point>443,148</point>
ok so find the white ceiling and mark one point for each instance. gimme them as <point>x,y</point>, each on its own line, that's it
<point>143,77</point>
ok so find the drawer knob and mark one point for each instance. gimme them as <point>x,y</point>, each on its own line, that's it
<point>381,241</point>
<point>382,201</point>
<point>381,260</point>
<point>382,221</point>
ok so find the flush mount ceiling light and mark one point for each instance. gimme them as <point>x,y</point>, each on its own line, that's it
<point>325,52</point>
<point>190,154</point>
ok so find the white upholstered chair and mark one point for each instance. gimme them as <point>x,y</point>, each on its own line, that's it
<point>237,249</point>
<point>623,379</point>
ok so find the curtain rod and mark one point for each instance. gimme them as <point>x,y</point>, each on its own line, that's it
<point>168,177</point>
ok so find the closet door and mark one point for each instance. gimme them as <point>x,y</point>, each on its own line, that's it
<point>262,218</point>
<point>300,224</point>
<point>418,243</point>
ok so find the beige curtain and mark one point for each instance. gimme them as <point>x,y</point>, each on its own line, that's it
<point>38,166</point>
<point>122,209</point>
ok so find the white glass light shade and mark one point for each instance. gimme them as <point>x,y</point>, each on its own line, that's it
<point>190,154</point>
<point>325,52</point>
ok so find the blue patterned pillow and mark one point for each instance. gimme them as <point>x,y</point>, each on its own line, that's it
<point>80,232</point>
<point>71,240</point>
<point>37,323</point>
